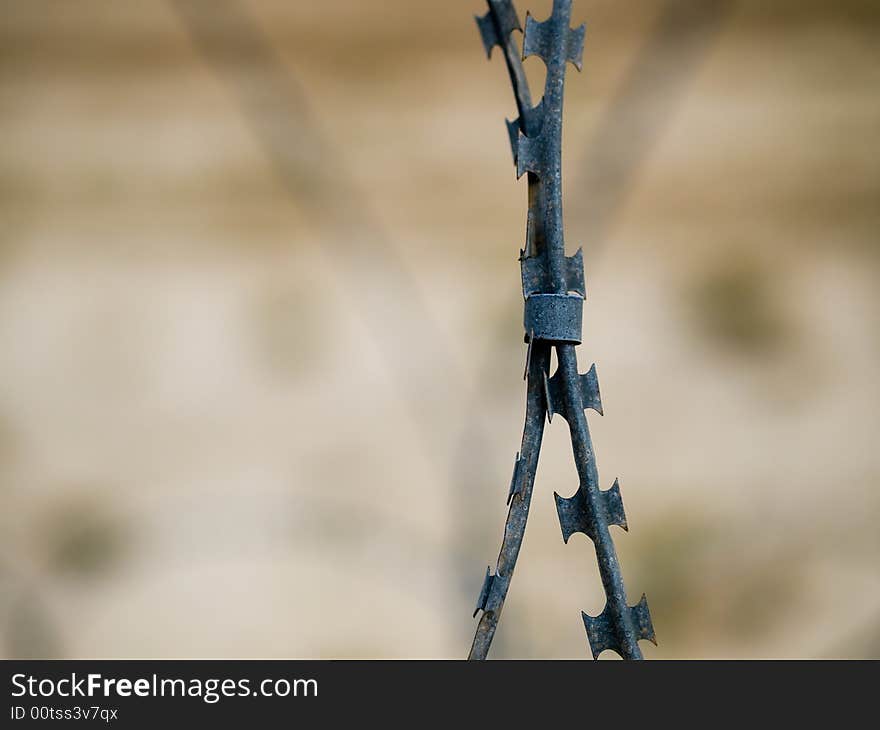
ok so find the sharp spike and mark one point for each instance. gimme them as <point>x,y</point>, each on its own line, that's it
<point>484,591</point>
<point>513,134</point>
<point>575,49</point>
<point>538,38</point>
<point>533,275</point>
<point>572,512</point>
<point>487,32</point>
<point>613,503</point>
<point>492,592</point>
<point>515,479</point>
<point>531,339</point>
<point>600,633</point>
<point>530,235</point>
<point>504,11</point>
<point>528,155</point>
<point>641,617</point>
<point>529,124</point>
<point>574,273</point>
<point>555,399</point>
<point>547,399</point>
<point>497,25</point>
<point>590,391</point>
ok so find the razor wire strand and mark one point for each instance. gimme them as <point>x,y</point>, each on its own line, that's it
<point>554,292</point>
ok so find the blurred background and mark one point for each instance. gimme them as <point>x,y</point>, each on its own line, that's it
<point>260,319</point>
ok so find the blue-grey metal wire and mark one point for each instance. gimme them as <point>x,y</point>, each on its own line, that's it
<point>536,140</point>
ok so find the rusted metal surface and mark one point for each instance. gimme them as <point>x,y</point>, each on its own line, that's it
<point>554,291</point>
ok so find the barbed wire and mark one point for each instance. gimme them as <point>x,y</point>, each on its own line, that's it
<point>554,291</point>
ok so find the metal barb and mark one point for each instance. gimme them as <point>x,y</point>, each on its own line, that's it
<point>554,291</point>
<point>497,25</point>
<point>574,512</point>
<point>589,389</point>
<point>515,481</point>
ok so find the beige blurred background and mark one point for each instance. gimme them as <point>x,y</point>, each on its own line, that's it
<point>260,384</point>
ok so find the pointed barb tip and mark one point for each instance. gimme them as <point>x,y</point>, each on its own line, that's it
<point>488,33</point>
<point>576,47</point>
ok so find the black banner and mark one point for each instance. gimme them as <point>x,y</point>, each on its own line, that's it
<point>172,693</point>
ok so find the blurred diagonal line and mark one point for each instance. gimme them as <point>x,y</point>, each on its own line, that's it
<point>380,286</point>
<point>638,113</point>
